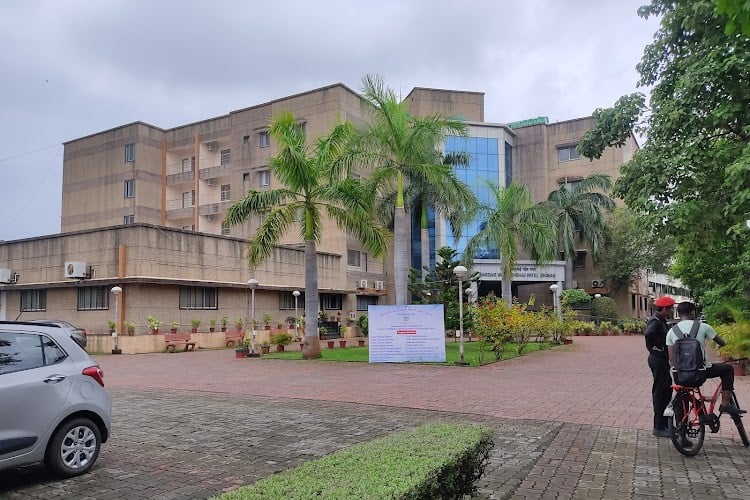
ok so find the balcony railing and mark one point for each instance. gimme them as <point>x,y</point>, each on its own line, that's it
<point>214,208</point>
<point>180,178</point>
<point>214,172</point>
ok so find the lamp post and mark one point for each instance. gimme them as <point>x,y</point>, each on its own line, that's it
<point>554,288</point>
<point>116,291</point>
<point>296,323</point>
<point>460,272</point>
<point>253,284</point>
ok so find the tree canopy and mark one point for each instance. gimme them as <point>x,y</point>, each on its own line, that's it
<point>690,180</point>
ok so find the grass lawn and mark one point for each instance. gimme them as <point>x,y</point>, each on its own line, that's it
<point>471,353</point>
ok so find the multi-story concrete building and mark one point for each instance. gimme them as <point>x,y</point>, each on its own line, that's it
<point>143,208</point>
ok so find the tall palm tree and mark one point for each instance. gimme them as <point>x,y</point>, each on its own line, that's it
<point>441,190</point>
<point>580,209</point>
<point>400,146</point>
<point>513,223</point>
<point>310,189</point>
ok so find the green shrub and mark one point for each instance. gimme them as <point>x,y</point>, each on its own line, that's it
<point>435,460</point>
<point>604,309</point>
<point>575,297</point>
<point>281,339</point>
<point>363,324</point>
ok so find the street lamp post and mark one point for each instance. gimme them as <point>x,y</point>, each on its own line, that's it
<point>554,288</point>
<point>116,291</point>
<point>296,331</point>
<point>253,284</point>
<point>460,272</point>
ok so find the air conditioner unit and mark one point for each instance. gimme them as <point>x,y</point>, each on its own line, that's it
<point>212,146</point>
<point>8,276</point>
<point>597,284</point>
<point>379,285</point>
<point>362,284</point>
<point>76,269</point>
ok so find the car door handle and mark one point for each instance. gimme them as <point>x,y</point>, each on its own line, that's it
<point>54,379</point>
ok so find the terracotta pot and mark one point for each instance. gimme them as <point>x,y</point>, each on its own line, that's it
<point>240,353</point>
<point>155,331</point>
<point>331,344</point>
<point>211,329</point>
<point>223,328</point>
<point>194,330</point>
<point>131,332</point>
<point>342,343</point>
<point>279,348</point>
<point>739,366</point>
<point>173,330</point>
<point>361,343</point>
<point>265,349</point>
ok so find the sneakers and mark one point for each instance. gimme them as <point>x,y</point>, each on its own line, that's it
<point>662,433</point>
<point>731,409</point>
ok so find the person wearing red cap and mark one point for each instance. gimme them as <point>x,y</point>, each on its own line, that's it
<point>658,361</point>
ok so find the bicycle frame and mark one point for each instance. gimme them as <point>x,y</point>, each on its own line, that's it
<point>699,413</point>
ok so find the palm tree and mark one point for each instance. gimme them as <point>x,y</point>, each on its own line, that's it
<point>439,189</point>
<point>514,222</point>
<point>580,209</point>
<point>310,188</point>
<point>400,147</point>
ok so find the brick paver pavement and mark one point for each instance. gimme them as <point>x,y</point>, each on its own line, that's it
<point>570,423</point>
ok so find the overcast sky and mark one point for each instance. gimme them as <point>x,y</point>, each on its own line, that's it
<point>69,68</point>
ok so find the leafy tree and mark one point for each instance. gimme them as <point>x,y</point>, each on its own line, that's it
<point>513,223</point>
<point>440,286</point>
<point>580,209</point>
<point>690,179</point>
<point>738,12</point>
<point>630,247</point>
<point>401,147</point>
<point>310,190</point>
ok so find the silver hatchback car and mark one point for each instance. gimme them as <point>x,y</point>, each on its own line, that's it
<point>53,405</point>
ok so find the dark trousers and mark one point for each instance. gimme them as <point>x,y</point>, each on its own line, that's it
<point>725,372</point>
<point>661,390</point>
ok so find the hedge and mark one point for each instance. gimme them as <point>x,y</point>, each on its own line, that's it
<point>435,460</point>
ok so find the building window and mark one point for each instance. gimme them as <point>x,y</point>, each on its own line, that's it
<point>265,178</point>
<point>264,139</point>
<point>188,164</point>
<point>226,193</point>
<point>246,139</point>
<point>580,260</point>
<point>224,229</point>
<point>353,258</point>
<point>128,219</point>
<point>93,298</point>
<point>330,301</point>
<point>33,300</point>
<point>508,164</point>
<point>193,297</point>
<point>188,199</point>
<point>286,301</point>
<point>226,157</point>
<point>366,300</point>
<point>567,153</point>
<point>129,153</point>
<point>130,188</point>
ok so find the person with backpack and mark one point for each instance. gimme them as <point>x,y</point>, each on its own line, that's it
<point>685,357</point>
<point>658,361</point>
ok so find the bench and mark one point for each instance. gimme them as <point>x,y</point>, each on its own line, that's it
<point>233,337</point>
<point>179,339</point>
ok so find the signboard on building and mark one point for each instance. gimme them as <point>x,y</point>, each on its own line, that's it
<point>522,271</point>
<point>399,334</point>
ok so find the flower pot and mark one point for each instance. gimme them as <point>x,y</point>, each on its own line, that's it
<point>173,330</point>
<point>211,329</point>
<point>223,328</point>
<point>240,352</point>
<point>155,331</point>
<point>361,343</point>
<point>331,344</point>
<point>265,349</point>
<point>323,336</point>
<point>739,366</point>
<point>193,330</point>
<point>342,343</point>
<point>131,332</point>
<point>279,348</point>
<point>267,327</point>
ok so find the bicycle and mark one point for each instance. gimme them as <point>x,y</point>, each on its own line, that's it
<point>687,424</point>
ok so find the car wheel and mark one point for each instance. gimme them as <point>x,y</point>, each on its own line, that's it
<point>74,447</point>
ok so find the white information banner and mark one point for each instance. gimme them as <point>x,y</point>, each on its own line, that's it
<point>400,334</point>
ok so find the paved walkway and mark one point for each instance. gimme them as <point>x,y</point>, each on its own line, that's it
<point>570,423</point>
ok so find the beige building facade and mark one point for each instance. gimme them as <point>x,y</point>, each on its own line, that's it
<point>142,208</point>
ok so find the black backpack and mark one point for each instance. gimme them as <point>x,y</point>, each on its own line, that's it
<point>688,366</point>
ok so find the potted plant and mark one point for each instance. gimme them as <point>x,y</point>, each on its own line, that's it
<point>265,347</point>
<point>267,321</point>
<point>173,328</point>
<point>112,325</point>
<point>281,340</point>
<point>212,325</point>
<point>195,323</point>
<point>130,327</point>
<point>239,323</point>
<point>224,322</point>
<point>342,343</point>
<point>323,331</point>
<point>242,349</point>
<point>153,324</point>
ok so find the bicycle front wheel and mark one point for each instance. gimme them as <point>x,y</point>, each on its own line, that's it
<point>737,419</point>
<point>685,428</point>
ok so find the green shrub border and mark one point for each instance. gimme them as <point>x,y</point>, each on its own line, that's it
<point>435,460</point>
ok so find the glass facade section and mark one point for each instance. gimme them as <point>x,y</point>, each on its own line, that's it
<point>483,168</point>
